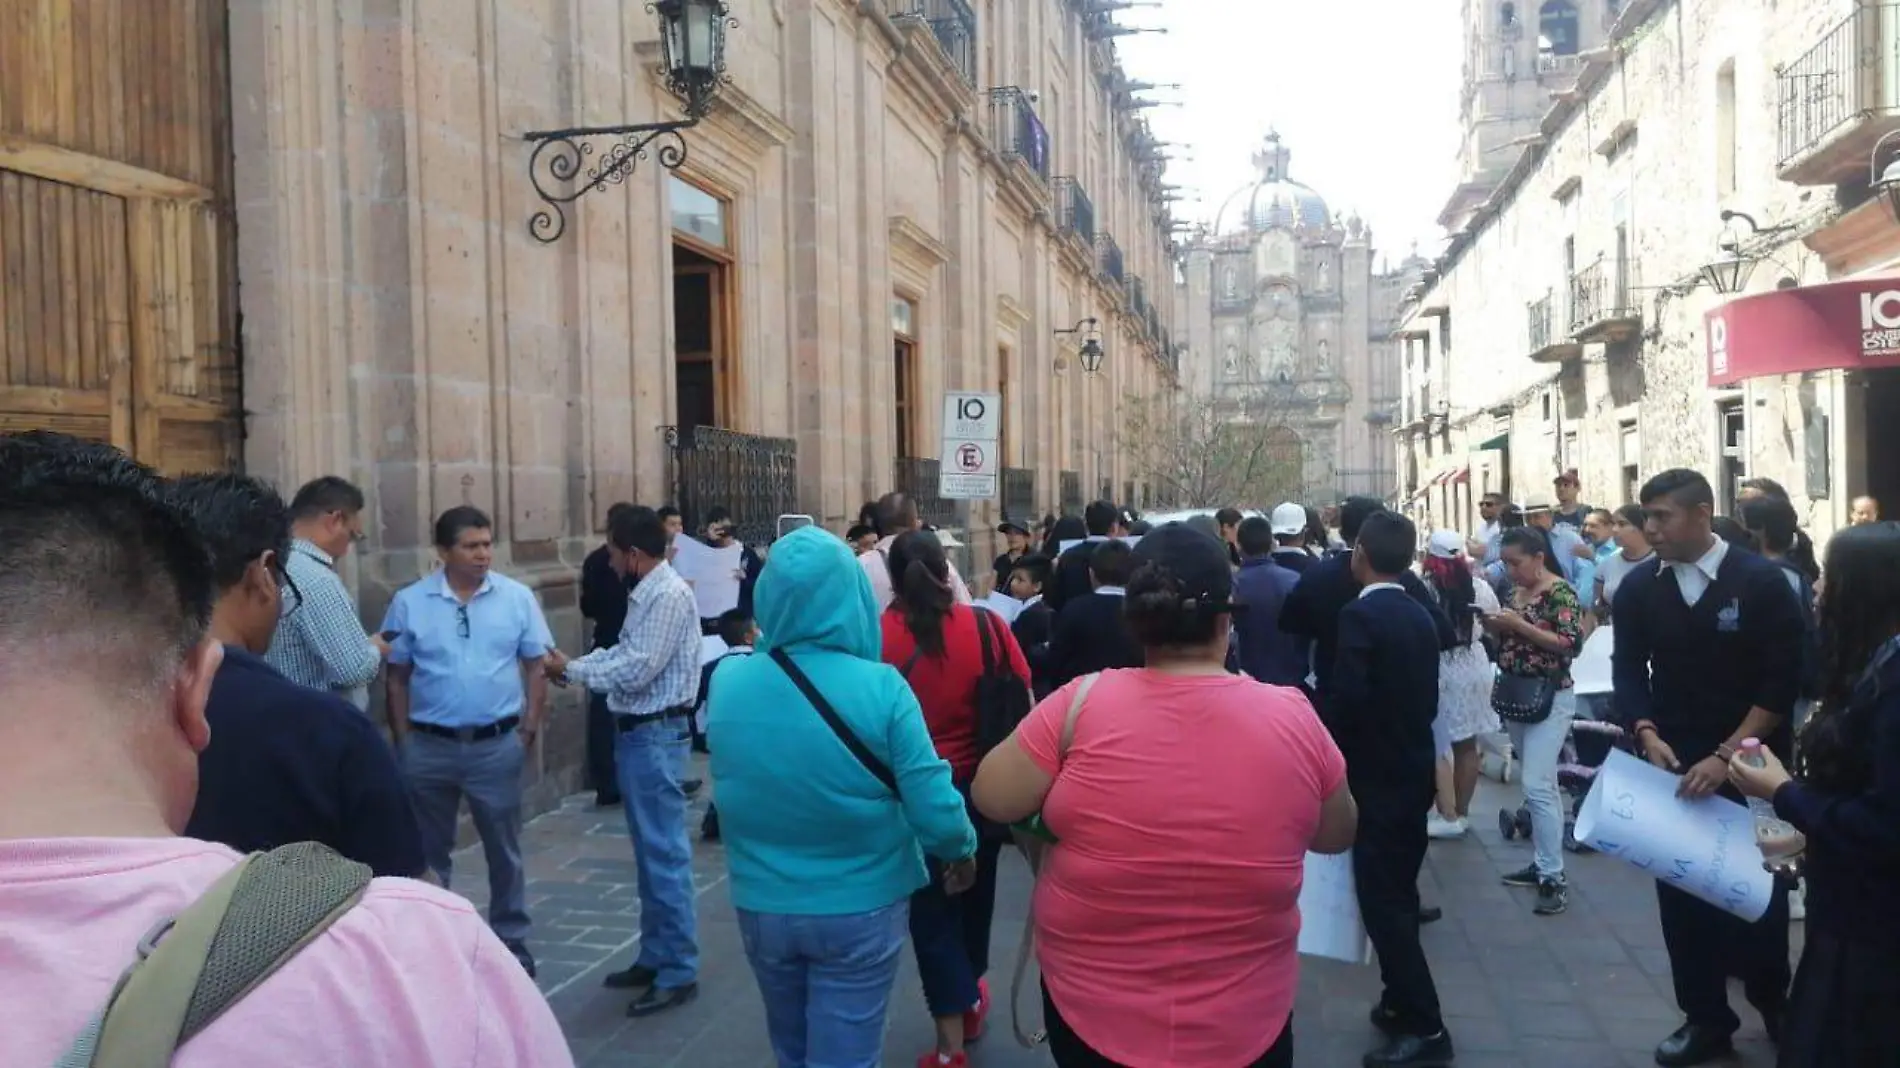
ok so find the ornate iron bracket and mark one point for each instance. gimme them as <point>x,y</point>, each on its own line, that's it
<point>560,173</point>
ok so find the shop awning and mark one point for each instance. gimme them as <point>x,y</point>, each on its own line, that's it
<point>1832,327</point>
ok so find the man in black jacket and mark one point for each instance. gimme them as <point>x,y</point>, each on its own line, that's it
<point>1104,520</point>
<point>1089,635</point>
<point>1708,654</point>
<point>603,603</point>
<point>1380,702</point>
<point>1325,589</point>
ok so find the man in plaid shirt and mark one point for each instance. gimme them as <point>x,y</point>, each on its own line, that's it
<point>321,643</point>
<point>651,678</point>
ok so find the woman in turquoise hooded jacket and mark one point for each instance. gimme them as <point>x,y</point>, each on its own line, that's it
<point>823,856</point>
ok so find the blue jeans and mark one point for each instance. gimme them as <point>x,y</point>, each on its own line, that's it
<point>951,934</point>
<point>1539,747</point>
<point>826,981</point>
<point>439,772</point>
<point>651,761</point>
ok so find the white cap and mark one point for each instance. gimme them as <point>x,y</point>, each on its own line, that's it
<point>1446,544</point>
<point>1538,502</point>
<point>1288,519</point>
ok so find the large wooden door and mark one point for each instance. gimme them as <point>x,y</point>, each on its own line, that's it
<point>118,316</point>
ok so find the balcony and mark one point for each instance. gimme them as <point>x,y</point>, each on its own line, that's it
<point>954,25</point>
<point>1075,212</point>
<point>1548,344</point>
<point>921,479</point>
<point>1019,495</point>
<point>1137,299</point>
<point>1549,64</point>
<point>1017,131</point>
<point>1836,101</point>
<point>1109,258</point>
<point>1603,302</point>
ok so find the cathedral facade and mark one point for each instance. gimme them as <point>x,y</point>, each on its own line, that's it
<point>1289,328</point>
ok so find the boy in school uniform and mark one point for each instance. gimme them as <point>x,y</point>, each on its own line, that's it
<point>1033,624</point>
<point>739,632</point>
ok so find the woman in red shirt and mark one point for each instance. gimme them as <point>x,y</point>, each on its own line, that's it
<point>938,646</point>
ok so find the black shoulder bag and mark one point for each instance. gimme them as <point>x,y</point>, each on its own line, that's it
<point>880,770</point>
<point>1002,699</point>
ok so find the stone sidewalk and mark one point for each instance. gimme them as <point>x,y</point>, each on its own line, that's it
<point>1588,989</point>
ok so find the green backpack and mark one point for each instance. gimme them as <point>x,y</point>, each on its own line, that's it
<point>194,966</point>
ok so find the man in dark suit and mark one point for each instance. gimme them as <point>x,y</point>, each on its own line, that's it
<point>1708,654</point>
<point>1266,652</point>
<point>1089,634</point>
<point>1380,700</point>
<point>1104,521</point>
<point>1312,609</point>
<point>604,604</point>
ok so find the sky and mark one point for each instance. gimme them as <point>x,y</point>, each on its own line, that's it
<point>1364,93</point>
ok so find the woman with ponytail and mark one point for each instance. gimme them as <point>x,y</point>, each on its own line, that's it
<point>940,646</point>
<point>1464,682</point>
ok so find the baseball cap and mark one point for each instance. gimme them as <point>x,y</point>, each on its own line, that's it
<point>1446,544</point>
<point>1198,562</point>
<point>1538,502</point>
<point>1288,519</point>
<point>1007,527</point>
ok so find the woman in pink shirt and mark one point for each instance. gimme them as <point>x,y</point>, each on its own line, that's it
<point>1185,800</point>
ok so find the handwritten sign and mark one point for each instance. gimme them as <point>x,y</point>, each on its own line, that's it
<point>1330,925</point>
<point>714,574</point>
<point>1706,848</point>
<point>1592,671</point>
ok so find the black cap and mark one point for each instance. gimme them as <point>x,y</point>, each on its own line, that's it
<point>1008,527</point>
<point>1198,562</point>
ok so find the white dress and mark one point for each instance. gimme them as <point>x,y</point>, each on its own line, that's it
<point>1465,675</point>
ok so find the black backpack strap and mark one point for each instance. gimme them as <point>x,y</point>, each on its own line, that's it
<point>872,764</point>
<point>984,620</point>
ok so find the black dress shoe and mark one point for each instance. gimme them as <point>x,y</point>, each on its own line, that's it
<point>520,950</point>
<point>1693,1044</point>
<point>662,998</point>
<point>1412,1051</point>
<point>634,978</point>
<point>1430,914</point>
<point>1384,1019</point>
<point>709,827</point>
<point>692,786</point>
<point>606,799</point>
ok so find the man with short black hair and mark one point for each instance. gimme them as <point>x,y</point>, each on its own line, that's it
<point>1088,634</point>
<point>1229,520</point>
<point>283,765</point>
<point>897,514</point>
<point>322,644</point>
<point>1708,654</point>
<point>1103,522</point>
<point>467,700</point>
<point>650,677</point>
<point>106,597</point>
<point>604,594</point>
<point>1381,698</point>
<point>1266,652</point>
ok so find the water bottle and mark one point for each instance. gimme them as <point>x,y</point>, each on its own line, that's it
<point>1781,845</point>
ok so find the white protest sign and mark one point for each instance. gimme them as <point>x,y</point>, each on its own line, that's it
<point>1003,605</point>
<point>714,574</point>
<point>1592,671</point>
<point>1706,848</point>
<point>971,458</point>
<point>1330,925</point>
<point>1131,541</point>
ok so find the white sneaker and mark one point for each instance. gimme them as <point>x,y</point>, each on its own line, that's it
<point>1439,827</point>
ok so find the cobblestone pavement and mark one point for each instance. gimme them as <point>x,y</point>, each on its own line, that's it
<point>1588,989</point>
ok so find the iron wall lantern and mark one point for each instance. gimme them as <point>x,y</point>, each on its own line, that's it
<point>693,58</point>
<point>1090,354</point>
<point>1728,274</point>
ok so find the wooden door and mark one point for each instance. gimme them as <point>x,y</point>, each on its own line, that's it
<point>700,331</point>
<point>117,294</point>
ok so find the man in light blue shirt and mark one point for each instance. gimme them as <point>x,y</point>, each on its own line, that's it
<point>467,698</point>
<point>1566,545</point>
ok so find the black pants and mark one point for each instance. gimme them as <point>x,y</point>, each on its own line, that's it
<point>1385,865</point>
<point>1707,945</point>
<point>601,777</point>
<point>1070,1051</point>
<point>951,934</point>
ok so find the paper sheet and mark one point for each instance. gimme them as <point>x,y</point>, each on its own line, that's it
<point>1706,848</point>
<point>1003,605</point>
<point>1067,545</point>
<point>1330,926</point>
<point>714,574</point>
<point>1591,671</point>
<point>711,648</point>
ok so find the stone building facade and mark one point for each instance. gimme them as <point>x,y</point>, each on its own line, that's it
<point>1579,288</point>
<point>1288,326</point>
<point>889,200</point>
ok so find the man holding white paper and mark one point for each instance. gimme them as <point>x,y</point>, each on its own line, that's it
<point>1707,655</point>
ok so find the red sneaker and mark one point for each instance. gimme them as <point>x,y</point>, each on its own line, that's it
<point>933,1059</point>
<point>974,1019</point>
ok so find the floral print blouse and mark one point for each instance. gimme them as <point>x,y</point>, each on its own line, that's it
<point>1558,611</point>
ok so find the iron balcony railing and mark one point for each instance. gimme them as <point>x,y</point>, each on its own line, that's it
<point>1019,495</point>
<point>1600,294</point>
<point>1071,482</point>
<point>1137,297</point>
<point>1075,212</point>
<point>1018,131</point>
<point>1853,71</point>
<point>1556,64</point>
<point>1110,256</point>
<point>954,24</point>
<point>754,477</point>
<point>921,479</point>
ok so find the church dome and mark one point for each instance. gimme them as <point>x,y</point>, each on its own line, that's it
<point>1272,201</point>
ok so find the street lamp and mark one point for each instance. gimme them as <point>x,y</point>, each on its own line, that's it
<point>1729,273</point>
<point>1885,181</point>
<point>1091,353</point>
<point>693,58</point>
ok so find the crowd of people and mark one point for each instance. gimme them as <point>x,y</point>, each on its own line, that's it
<point>879,739</point>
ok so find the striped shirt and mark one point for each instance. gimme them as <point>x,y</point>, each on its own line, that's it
<point>655,666</point>
<point>320,643</point>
